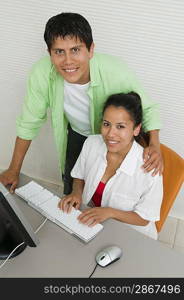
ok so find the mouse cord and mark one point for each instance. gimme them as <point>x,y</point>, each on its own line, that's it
<point>4,262</point>
<point>10,254</point>
<point>93,271</point>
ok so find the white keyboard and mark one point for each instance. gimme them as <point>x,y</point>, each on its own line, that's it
<point>47,204</point>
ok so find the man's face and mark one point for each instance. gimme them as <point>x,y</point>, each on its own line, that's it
<point>71,59</point>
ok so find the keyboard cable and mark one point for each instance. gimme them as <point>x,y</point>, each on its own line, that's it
<point>39,227</point>
<point>93,271</point>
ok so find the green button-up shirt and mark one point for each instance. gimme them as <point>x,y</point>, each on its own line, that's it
<point>45,90</point>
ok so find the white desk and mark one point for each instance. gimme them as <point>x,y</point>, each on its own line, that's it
<point>59,254</point>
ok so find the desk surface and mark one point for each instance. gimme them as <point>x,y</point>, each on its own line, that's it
<point>59,254</point>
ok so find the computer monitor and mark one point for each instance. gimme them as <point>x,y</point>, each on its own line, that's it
<point>14,228</point>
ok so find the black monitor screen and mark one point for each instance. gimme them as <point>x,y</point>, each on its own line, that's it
<point>14,228</point>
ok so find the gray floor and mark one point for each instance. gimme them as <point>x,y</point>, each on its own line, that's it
<point>172,233</point>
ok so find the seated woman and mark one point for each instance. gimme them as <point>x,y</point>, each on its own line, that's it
<point>108,172</point>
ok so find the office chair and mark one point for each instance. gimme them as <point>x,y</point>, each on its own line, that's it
<point>173,177</point>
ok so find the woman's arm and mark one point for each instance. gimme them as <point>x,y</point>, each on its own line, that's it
<point>93,216</point>
<point>129,217</point>
<point>78,186</point>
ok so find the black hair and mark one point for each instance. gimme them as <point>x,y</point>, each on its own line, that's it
<point>131,102</point>
<point>68,24</point>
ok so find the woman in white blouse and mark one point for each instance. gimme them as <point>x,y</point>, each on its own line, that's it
<point>108,174</point>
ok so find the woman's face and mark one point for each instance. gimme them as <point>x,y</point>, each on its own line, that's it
<point>118,130</point>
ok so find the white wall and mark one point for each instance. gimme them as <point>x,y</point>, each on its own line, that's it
<point>148,35</point>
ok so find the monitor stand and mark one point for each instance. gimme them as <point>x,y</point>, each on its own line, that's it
<point>8,242</point>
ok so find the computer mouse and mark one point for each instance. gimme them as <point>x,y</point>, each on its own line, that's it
<point>108,255</point>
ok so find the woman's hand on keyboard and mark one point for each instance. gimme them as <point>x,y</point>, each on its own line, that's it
<point>70,201</point>
<point>95,215</point>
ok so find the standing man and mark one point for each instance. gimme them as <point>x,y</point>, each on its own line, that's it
<point>74,82</point>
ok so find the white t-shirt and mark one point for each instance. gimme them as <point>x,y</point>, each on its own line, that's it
<point>76,107</point>
<point>130,189</point>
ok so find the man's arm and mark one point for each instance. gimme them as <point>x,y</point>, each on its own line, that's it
<point>152,154</point>
<point>11,175</point>
<point>154,137</point>
<point>151,123</point>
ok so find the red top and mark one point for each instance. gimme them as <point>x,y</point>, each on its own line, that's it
<point>97,197</point>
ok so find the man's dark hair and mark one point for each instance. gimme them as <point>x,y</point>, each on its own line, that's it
<point>68,24</point>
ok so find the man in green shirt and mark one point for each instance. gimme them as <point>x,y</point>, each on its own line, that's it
<point>74,82</point>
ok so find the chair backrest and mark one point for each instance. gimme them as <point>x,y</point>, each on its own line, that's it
<point>173,177</point>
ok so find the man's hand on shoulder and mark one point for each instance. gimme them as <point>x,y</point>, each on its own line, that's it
<point>153,159</point>
<point>10,177</point>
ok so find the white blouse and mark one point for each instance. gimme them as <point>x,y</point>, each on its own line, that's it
<point>130,189</point>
